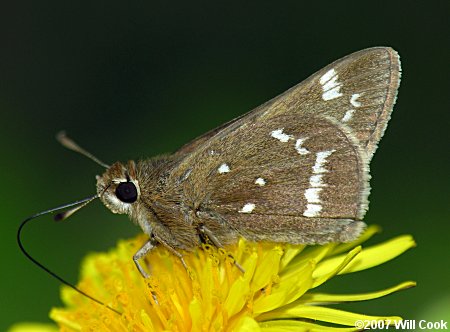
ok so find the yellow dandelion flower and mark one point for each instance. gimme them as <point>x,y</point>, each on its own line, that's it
<point>277,292</point>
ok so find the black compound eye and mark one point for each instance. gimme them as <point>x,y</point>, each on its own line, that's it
<point>127,192</point>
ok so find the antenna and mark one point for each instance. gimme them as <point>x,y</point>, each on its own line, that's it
<point>66,214</point>
<point>68,143</point>
<point>79,204</point>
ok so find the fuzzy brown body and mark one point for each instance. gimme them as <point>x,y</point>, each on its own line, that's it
<point>295,169</point>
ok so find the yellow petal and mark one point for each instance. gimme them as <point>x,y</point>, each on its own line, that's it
<point>250,265</point>
<point>369,257</point>
<point>324,314</point>
<point>299,326</point>
<point>290,252</point>
<point>289,289</point>
<point>321,298</point>
<point>59,316</point>
<point>338,268</point>
<point>267,268</point>
<point>314,253</point>
<point>246,324</point>
<point>33,327</point>
<point>146,321</point>
<point>195,309</point>
<point>237,296</point>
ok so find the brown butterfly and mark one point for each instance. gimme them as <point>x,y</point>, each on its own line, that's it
<point>295,169</point>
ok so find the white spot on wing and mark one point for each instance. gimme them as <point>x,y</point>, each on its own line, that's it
<point>312,210</point>
<point>260,181</point>
<point>353,100</point>
<point>312,194</point>
<point>247,208</point>
<point>330,85</point>
<point>327,76</point>
<point>279,135</point>
<point>315,181</point>
<point>331,94</point>
<point>298,146</point>
<point>224,168</point>
<point>321,159</point>
<point>347,116</point>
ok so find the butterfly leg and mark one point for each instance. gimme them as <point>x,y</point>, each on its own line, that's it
<point>206,231</point>
<point>144,250</point>
<point>171,249</point>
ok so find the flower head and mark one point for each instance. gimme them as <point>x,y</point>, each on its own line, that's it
<point>278,290</point>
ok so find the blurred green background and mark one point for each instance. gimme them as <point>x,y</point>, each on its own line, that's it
<point>136,79</point>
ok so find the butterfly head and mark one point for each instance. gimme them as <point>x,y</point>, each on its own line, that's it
<point>118,188</point>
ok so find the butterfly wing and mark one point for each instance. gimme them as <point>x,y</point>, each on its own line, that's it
<point>358,90</point>
<point>296,169</point>
<point>199,141</point>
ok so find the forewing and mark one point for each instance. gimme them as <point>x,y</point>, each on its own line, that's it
<point>202,139</point>
<point>358,90</point>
